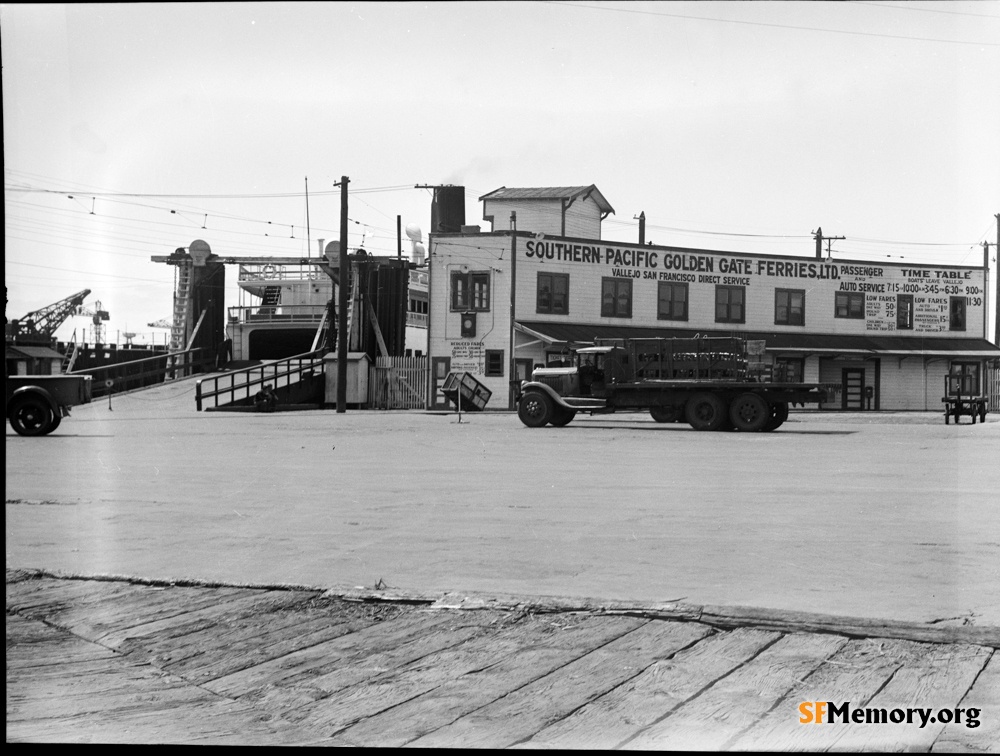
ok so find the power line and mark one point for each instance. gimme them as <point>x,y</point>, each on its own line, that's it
<point>619,9</point>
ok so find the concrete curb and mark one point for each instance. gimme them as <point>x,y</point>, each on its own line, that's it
<point>723,617</point>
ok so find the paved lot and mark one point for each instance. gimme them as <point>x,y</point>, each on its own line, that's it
<point>886,516</point>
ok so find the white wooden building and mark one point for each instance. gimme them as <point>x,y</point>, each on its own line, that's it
<point>885,334</point>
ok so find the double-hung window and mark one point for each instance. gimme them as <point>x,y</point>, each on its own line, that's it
<point>553,294</point>
<point>956,314</point>
<point>470,291</point>
<point>730,304</point>
<point>849,304</point>
<point>789,307</point>
<point>616,297</point>
<point>672,303</point>
<point>904,312</point>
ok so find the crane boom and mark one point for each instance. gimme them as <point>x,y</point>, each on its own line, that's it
<point>43,323</point>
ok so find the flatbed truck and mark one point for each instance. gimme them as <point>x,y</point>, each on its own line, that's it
<point>705,381</point>
<point>36,404</point>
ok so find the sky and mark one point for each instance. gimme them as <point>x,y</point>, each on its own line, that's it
<point>134,129</point>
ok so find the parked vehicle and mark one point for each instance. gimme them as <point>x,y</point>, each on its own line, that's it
<point>706,382</point>
<point>36,404</point>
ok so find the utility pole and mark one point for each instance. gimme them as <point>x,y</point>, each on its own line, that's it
<point>513,274</point>
<point>818,235</point>
<point>996,297</point>
<point>345,280</point>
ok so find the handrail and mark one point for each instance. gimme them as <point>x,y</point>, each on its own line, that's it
<point>123,376</point>
<point>278,373</point>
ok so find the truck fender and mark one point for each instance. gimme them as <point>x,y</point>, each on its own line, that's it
<point>34,391</point>
<point>545,388</point>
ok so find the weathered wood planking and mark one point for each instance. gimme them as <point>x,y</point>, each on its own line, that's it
<point>938,680</point>
<point>251,666</point>
<point>438,689</point>
<point>734,702</point>
<point>329,654</point>
<point>985,696</point>
<point>622,716</point>
<point>523,712</point>
<point>855,673</point>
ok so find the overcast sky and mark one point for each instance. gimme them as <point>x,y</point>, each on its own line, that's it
<point>733,126</point>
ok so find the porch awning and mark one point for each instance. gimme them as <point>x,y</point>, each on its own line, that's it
<point>572,334</point>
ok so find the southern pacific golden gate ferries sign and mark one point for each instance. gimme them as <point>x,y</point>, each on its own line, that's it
<point>931,288</point>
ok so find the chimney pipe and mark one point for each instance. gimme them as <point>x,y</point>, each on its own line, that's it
<point>642,227</point>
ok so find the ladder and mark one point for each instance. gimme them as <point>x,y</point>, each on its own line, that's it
<point>271,298</point>
<point>72,350</point>
<point>182,307</point>
<point>351,303</point>
<point>321,331</point>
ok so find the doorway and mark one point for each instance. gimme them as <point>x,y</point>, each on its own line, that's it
<point>853,389</point>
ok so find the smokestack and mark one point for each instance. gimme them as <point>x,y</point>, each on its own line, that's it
<point>642,227</point>
<point>322,249</point>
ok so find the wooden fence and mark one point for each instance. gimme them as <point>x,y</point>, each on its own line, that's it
<point>398,383</point>
<point>993,387</point>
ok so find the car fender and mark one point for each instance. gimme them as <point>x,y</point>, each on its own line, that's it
<point>545,389</point>
<point>38,391</point>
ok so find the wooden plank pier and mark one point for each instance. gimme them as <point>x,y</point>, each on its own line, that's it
<point>119,661</point>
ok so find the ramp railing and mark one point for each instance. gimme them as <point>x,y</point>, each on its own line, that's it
<point>148,371</point>
<point>237,385</point>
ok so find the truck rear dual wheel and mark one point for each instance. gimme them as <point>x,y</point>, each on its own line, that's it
<point>667,414</point>
<point>31,416</point>
<point>749,412</point>
<point>706,412</point>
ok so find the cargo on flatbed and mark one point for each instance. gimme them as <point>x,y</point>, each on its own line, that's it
<point>707,382</point>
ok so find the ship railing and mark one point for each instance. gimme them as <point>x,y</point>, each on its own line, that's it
<point>276,273</point>
<point>276,314</point>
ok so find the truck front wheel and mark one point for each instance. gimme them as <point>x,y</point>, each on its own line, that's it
<point>31,416</point>
<point>561,416</point>
<point>749,412</point>
<point>535,409</point>
<point>705,412</point>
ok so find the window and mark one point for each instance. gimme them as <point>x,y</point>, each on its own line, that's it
<point>957,314</point>
<point>904,312</point>
<point>673,301</point>
<point>729,304</point>
<point>789,307</point>
<point>616,297</point>
<point>849,304</point>
<point>494,362</point>
<point>470,291</point>
<point>553,293</point>
<point>963,377</point>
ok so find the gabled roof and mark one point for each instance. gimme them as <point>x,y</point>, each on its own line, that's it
<point>22,351</point>
<point>552,193</point>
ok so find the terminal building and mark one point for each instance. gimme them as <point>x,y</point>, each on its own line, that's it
<point>541,282</point>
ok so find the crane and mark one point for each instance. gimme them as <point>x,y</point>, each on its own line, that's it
<point>98,315</point>
<point>40,326</point>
